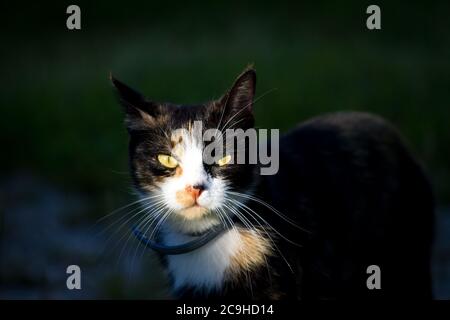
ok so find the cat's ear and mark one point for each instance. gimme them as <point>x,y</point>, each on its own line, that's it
<point>139,112</point>
<point>238,101</point>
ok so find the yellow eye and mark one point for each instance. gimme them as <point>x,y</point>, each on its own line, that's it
<point>224,160</point>
<point>167,161</point>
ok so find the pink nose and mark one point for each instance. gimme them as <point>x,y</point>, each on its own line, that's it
<point>195,190</point>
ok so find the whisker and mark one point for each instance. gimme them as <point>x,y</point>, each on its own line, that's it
<point>270,207</point>
<point>262,219</point>
<point>149,206</point>
<point>242,217</point>
<point>146,228</point>
<point>124,207</point>
<point>117,230</point>
<point>219,213</point>
<point>152,215</point>
<point>161,221</point>
<point>167,214</point>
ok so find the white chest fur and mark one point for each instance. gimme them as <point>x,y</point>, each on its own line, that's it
<point>205,267</point>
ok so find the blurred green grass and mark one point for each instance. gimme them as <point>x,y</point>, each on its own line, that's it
<point>60,119</point>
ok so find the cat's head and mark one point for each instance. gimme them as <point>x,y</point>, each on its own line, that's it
<point>168,164</point>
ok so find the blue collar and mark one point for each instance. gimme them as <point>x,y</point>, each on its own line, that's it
<point>182,248</point>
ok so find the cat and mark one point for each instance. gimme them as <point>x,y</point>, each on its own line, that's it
<point>348,195</point>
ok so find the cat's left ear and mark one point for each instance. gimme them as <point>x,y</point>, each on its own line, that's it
<point>139,112</point>
<point>240,98</point>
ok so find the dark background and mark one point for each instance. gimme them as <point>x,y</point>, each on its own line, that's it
<point>63,162</point>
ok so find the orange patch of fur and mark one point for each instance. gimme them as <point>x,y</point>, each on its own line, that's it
<point>178,171</point>
<point>251,255</point>
<point>184,198</point>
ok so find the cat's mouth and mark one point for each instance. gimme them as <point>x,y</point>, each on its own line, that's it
<point>193,219</point>
<point>194,212</point>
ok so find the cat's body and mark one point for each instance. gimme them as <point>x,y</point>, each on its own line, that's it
<point>346,179</point>
<point>350,182</point>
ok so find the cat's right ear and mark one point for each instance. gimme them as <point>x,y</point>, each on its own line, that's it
<point>140,113</point>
